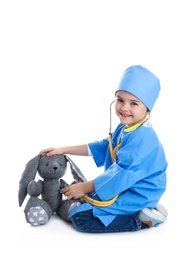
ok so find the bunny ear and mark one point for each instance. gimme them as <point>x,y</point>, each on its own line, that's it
<point>27,176</point>
<point>76,172</point>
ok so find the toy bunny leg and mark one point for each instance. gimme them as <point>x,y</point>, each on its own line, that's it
<point>37,211</point>
<point>65,208</point>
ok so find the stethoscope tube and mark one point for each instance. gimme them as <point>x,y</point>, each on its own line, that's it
<point>112,151</point>
<point>110,127</point>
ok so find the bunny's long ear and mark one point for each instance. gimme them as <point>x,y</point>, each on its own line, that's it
<point>76,172</point>
<point>27,176</point>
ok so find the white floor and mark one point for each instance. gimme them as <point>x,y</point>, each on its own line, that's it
<point>60,65</point>
<point>58,239</point>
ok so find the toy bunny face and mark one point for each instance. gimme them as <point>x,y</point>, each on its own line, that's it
<point>52,167</point>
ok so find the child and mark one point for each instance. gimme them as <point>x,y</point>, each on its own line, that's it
<point>125,196</point>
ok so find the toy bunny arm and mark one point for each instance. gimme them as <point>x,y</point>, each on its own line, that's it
<point>63,184</point>
<point>35,188</point>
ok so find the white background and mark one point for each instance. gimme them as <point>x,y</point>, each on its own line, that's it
<point>60,64</point>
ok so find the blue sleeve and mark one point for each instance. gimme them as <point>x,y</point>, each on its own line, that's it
<point>115,180</point>
<point>99,150</point>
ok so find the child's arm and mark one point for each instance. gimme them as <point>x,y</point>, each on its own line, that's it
<point>74,150</point>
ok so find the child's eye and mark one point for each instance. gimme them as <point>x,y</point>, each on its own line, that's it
<point>119,100</point>
<point>134,103</point>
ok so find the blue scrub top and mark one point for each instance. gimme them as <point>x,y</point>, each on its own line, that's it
<point>138,175</point>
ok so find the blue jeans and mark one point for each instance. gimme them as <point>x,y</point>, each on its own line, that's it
<point>85,222</point>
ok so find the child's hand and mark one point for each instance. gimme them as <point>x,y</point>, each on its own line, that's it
<point>74,191</point>
<point>77,190</point>
<point>51,151</point>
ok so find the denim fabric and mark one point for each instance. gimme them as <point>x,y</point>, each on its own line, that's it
<point>84,221</point>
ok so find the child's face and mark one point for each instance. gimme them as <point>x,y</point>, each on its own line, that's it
<point>129,108</point>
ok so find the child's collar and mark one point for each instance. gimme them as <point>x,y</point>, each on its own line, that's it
<point>133,127</point>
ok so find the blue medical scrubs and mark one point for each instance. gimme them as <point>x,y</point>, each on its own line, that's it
<point>138,174</point>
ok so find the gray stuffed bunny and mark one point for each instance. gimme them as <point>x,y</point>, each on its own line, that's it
<point>51,168</point>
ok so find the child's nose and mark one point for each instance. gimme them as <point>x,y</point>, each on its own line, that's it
<point>125,107</point>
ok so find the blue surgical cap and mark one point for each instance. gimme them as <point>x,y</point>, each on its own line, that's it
<point>141,83</point>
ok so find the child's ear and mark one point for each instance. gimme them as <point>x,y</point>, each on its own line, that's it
<point>147,112</point>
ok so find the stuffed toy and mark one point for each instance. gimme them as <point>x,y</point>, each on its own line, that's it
<point>45,198</point>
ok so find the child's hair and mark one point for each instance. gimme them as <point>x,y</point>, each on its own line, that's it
<point>141,83</point>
